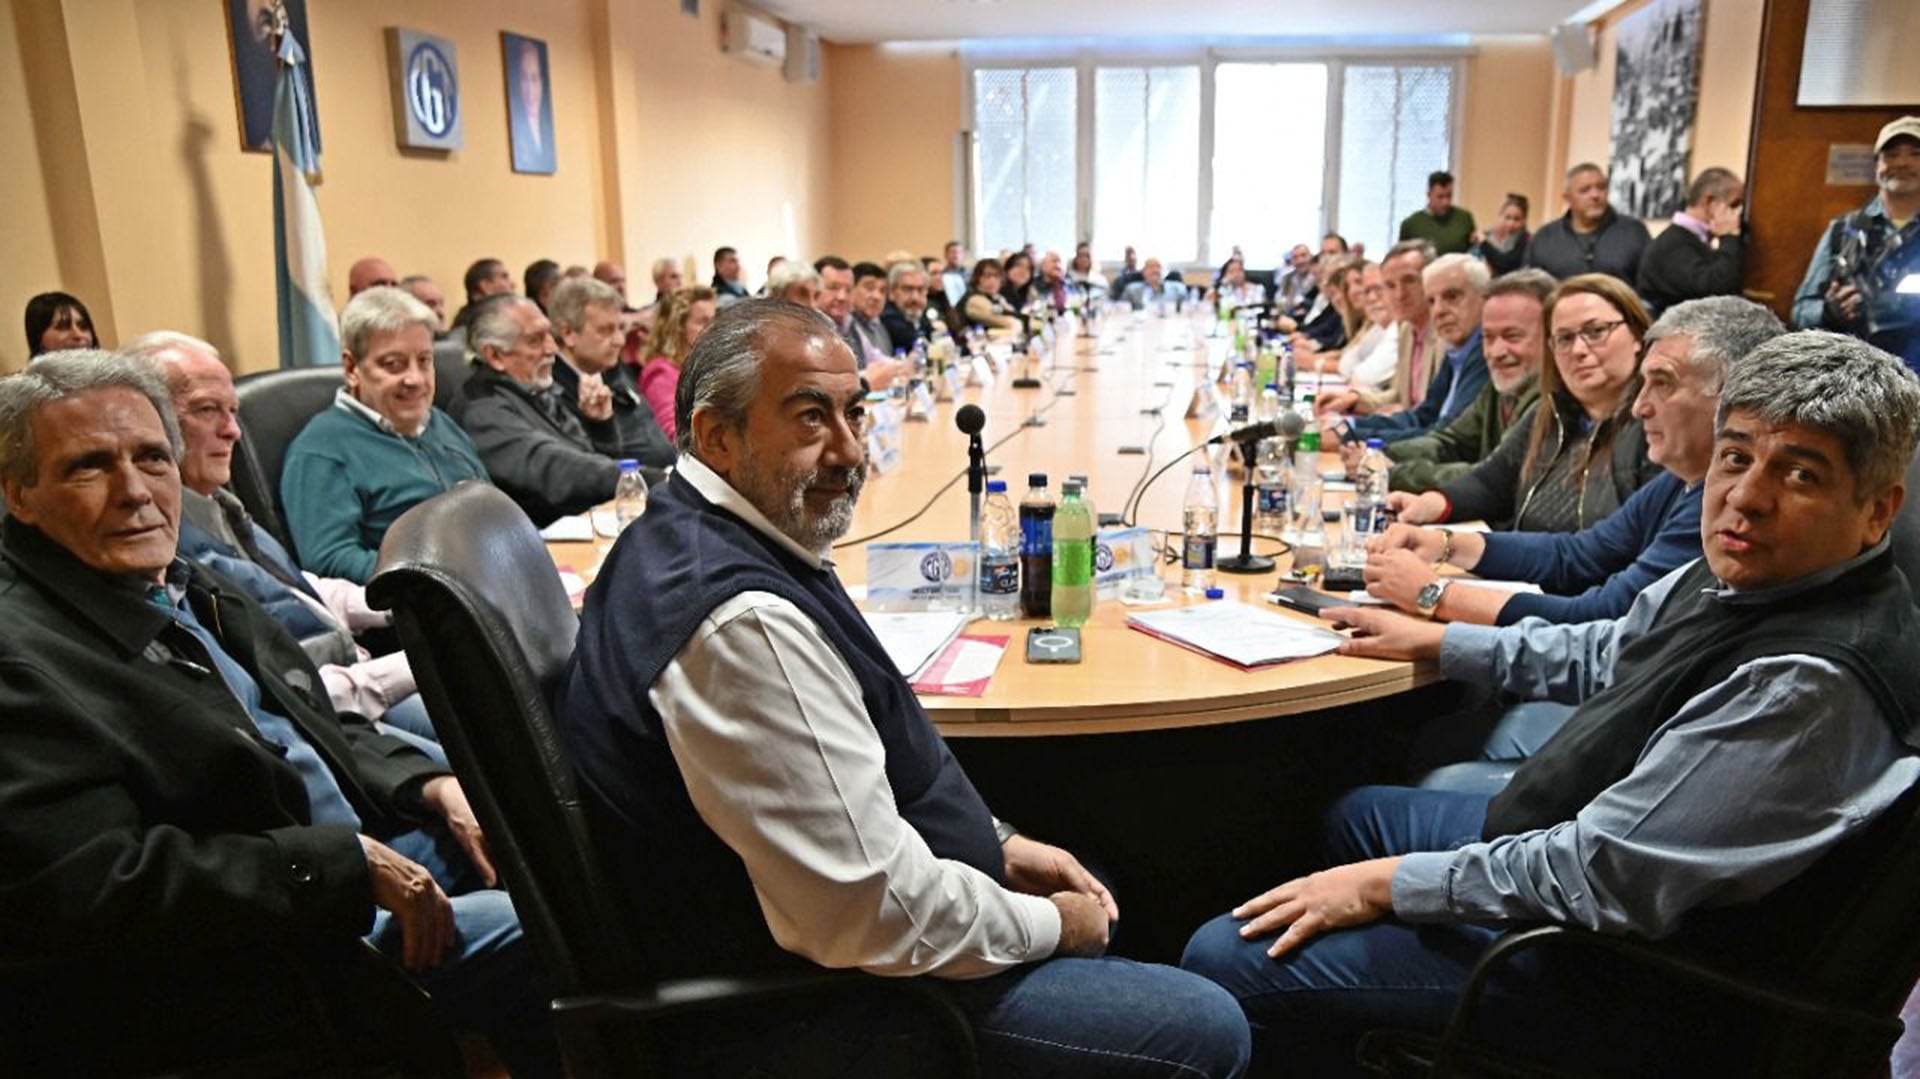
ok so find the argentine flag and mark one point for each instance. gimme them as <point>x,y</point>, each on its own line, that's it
<point>309,332</point>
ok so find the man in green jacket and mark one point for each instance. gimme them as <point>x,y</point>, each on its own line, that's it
<point>1513,334</point>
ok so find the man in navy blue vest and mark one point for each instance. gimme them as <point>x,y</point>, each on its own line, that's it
<point>1739,731</point>
<point>772,793</point>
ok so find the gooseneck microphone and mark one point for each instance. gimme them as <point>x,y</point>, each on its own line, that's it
<point>1290,425</point>
<point>972,420</point>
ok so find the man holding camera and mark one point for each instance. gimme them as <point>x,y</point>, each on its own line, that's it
<point>1864,279</point>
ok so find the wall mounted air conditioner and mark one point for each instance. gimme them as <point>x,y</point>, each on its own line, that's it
<point>803,55</point>
<point>754,37</point>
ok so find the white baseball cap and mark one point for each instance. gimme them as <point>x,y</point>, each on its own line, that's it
<point>1906,125</point>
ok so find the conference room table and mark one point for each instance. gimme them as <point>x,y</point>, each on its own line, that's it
<point>1190,782</point>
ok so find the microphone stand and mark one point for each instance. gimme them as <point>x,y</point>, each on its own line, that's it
<point>1246,561</point>
<point>976,481</point>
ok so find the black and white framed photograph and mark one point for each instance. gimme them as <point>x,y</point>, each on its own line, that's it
<point>529,103</point>
<point>1656,91</point>
<point>256,68</point>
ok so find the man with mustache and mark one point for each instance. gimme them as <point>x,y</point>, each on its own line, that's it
<point>773,795</point>
<point>1877,298</point>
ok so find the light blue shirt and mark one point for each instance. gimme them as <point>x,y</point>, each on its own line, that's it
<point>1738,792</point>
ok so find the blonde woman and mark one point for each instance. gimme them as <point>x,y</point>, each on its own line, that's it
<point>689,312</point>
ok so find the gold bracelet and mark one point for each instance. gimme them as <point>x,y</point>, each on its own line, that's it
<point>1446,547</point>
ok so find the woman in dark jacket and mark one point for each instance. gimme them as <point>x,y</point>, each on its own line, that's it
<point>1581,454</point>
<point>1504,246</point>
<point>1018,289</point>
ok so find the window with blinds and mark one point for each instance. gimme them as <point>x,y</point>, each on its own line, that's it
<point>1146,162</point>
<point>1269,160</point>
<point>1025,180</point>
<point>1396,126</point>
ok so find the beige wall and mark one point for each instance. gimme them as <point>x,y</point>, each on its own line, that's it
<point>895,114</point>
<point>1505,124</point>
<point>1729,64</point>
<point>126,182</point>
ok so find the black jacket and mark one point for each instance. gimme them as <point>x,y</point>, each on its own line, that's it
<point>632,433</point>
<point>1614,248</point>
<point>903,332</point>
<point>146,824</point>
<point>1679,266</point>
<point>540,458</point>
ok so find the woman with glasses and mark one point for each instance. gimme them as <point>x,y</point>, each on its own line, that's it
<point>1373,350</point>
<point>1582,454</point>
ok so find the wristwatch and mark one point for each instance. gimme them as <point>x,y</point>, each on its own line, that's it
<point>1428,601</point>
<point>1003,831</point>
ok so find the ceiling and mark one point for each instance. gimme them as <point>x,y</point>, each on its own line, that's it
<point>1224,20</point>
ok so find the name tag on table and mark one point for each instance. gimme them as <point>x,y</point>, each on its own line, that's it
<point>922,576</point>
<point>1120,554</point>
<point>883,433</point>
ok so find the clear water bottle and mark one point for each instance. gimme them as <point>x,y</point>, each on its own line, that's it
<point>1240,395</point>
<point>1272,487</point>
<point>629,494</point>
<point>1304,499</point>
<point>1072,558</point>
<point>1372,479</point>
<point>1036,548</point>
<point>999,555</point>
<point>1200,521</point>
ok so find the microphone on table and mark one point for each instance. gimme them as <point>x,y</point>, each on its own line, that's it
<point>1290,425</point>
<point>972,420</point>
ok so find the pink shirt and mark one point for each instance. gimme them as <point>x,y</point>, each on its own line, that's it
<point>659,379</point>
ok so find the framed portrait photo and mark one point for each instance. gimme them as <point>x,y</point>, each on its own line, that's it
<point>256,69</point>
<point>529,103</point>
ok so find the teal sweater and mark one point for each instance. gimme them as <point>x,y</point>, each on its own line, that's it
<point>346,481</point>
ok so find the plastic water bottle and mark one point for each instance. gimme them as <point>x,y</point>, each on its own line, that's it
<point>1199,520</point>
<point>1269,410</point>
<point>1304,500</point>
<point>629,494</point>
<point>1072,558</point>
<point>1372,479</point>
<point>1272,483</point>
<point>1240,396</point>
<point>1036,548</point>
<point>999,555</point>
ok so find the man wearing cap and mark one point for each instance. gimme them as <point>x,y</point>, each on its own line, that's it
<point>1864,279</point>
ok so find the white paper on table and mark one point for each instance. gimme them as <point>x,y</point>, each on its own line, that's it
<point>913,638</point>
<point>571,529</point>
<point>973,660</point>
<point>1238,632</point>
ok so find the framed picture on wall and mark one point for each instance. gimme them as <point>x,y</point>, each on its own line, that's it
<point>256,70</point>
<point>529,103</point>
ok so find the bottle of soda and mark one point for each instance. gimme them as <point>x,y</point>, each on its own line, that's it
<point>1201,517</point>
<point>629,494</point>
<point>1072,559</point>
<point>1036,548</point>
<point>999,555</point>
<point>1086,494</point>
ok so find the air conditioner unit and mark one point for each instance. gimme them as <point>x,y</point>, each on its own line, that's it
<point>803,55</point>
<point>754,37</point>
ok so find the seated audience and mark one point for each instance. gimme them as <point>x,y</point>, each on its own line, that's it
<point>1333,244</point>
<point>541,278</point>
<point>1324,322</point>
<point>614,276</point>
<point>1370,359</point>
<point>953,278</point>
<point>533,447</point>
<point>1128,273</point>
<point>907,316</point>
<point>865,334</point>
<point>486,277</point>
<point>382,447</point>
<point>1595,572</point>
<point>1458,286</point>
<point>835,299</point>
<point>1234,286</point>
<point>1504,246</point>
<point>1083,273</point>
<point>1340,277</point>
<point>1701,253</point>
<point>1050,284</point>
<point>368,273</point>
<point>728,284</point>
<point>1447,227</point>
<point>721,669</point>
<point>688,316</point>
<point>586,327</point>
<point>1580,454</point>
<point>1293,290</point>
<point>795,283</point>
<point>1017,286</point>
<point>57,321</point>
<point>1153,287</point>
<point>1853,282</point>
<point>422,288</point>
<point>1744,724</point>
<point>985,306</point>
<point>667,280</point>
<point>1417,349</point>
<point>1513,334</point>
<point>323,614</point>
<point>189,824</point>
<point>1590,237</point>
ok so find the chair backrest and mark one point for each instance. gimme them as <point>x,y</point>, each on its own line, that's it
<point>274,408</point>
<point>450,369</point>
<point>1906,531</point>
<point>488,629</point>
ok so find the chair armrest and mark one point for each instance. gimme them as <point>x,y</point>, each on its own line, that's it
<point>576,1015</point>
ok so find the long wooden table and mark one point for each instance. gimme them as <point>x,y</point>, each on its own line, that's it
<point>1094,399</point>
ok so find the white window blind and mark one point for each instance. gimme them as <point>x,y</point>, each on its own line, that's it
<point>1146,162</point>
<point>1025,187</point>
<point>1396,127</point>
<point>1269,160</point>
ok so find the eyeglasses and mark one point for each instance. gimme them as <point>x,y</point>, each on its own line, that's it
<point>1594,334</point>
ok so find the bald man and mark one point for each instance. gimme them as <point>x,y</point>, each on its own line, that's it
<point>614,274</point>
<point>368,272</point>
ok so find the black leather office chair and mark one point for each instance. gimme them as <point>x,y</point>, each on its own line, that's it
<point>450,369</point>
<point>489,630</point>
<point>274,407</point>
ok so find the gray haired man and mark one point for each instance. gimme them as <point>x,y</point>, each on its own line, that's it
<point>1750,713</point>
<point>586,328</point>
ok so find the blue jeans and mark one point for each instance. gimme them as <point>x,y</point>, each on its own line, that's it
<point>487,981</point>
<point>1060,1017</point>
<point>409,714</point>
<point>1519,734</point>
<point>1309,1009</point>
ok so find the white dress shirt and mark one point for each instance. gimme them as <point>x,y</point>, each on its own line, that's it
<point>767,725</point>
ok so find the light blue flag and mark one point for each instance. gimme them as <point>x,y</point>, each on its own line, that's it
<point>309,332</point>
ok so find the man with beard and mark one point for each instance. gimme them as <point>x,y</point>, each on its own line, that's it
<point>735,723</point>
<point>1859,279</point>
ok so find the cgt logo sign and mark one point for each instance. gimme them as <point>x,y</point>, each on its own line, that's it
<point>426,91</point>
